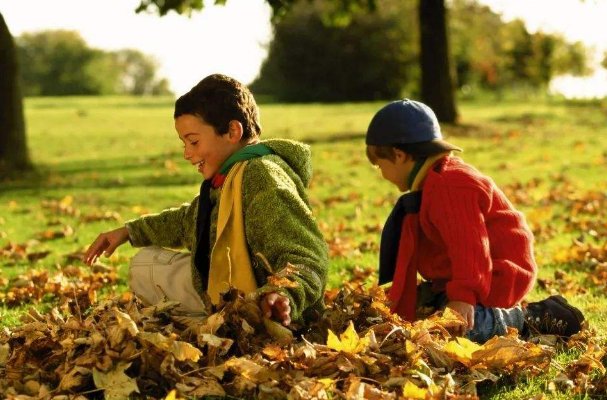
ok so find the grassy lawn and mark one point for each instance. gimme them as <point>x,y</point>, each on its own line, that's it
<point>102,161</point>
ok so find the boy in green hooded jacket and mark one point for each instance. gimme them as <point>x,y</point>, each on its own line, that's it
<point>251,220</point>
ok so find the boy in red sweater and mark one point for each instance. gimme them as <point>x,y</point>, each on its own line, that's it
<point>457,229</point>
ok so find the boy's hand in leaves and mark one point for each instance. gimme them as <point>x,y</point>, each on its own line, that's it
<point>277,306</point>
<point>466,310</point>
<point>105,243</point>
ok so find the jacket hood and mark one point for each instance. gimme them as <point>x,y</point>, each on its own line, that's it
<point>296,154</point>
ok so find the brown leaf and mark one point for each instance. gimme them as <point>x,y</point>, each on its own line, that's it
<point>198,387</point>
<point>75,378</point>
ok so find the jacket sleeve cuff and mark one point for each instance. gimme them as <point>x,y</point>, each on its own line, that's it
<point>460,294</point>
<point>134,239</point>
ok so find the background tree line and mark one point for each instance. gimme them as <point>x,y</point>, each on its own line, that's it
<point>432,51</point>
<point>375,55</point>
<point>60,62</point>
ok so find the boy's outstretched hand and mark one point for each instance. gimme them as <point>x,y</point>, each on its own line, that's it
<point>105,243</point>
<point>277,306</point>
<point>466,310</point>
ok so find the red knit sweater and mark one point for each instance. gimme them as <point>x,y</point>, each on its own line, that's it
<point>471,239</point>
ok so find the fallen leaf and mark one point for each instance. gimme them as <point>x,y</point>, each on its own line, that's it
<point>348,341</point>
<point>182,351</point>
<point>115,383</point>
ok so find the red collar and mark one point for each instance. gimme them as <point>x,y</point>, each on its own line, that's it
<point>217,180</point>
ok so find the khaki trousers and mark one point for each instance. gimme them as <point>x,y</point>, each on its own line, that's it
<point>157,274</point>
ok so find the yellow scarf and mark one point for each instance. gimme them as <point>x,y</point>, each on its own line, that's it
<point>230,264</point>
<point>423,171</point>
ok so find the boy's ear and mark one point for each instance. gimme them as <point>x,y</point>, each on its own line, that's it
<point>235,131</point>
<point>400,156</point>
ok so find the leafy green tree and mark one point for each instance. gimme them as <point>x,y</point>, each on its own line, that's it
<point>370,57</point>
<point>102,73</point>
<point>60,62</point>
<point>54,63</point>
<point>138,73</point>
<point>477,56</point>
<point>519,51</point>
<point>510,55</point>
<point>570,58</point>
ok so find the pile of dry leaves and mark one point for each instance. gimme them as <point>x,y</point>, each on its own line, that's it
<point>357,349</point>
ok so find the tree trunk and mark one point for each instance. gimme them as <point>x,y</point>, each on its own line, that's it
<point>13,146</point>
<point>437,86</point>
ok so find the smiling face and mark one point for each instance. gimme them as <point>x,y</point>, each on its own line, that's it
<point>203,146</point>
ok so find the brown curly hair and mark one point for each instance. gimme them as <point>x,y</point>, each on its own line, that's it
<point>219,99</point>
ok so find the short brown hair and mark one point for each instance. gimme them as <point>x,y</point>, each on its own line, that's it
<point>219,99</point>
<point>417,151</point>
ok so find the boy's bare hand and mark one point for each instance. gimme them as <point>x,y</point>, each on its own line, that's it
<point>277,306</point>
<point>466,310</point>
<point>105,243</point>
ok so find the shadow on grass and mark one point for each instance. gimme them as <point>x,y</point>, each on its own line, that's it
<point>78,103</point>
<point>454,130</point>
<point>526,118</point>
<point>488,389</point>
<point>151,171</point>
<point>334,138</point>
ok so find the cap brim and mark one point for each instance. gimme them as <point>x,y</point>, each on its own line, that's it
<point>444,145</point>
<point>429,148</point>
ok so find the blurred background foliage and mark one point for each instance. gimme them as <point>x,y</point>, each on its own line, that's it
<point>320,55</point>
<point>372,56</point>
<point>60,62</point>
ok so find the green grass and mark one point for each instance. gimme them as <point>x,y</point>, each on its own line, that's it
<point>122,155</point>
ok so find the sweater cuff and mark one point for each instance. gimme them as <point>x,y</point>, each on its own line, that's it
<point>134,239</point>
<point>460,294</point>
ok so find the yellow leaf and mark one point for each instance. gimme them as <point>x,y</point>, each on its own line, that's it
<point>349,341</point>
<point>212,324</point>
<point>172,395</point>
<point>327,382</point>
<point>461,349</point>
<point>181,350</point>
<point>249,369</point>
<point>451,319</point>
<point>115,383</point>
<point>411,391</point>
<point>67,201</point>
<point>508,351</point>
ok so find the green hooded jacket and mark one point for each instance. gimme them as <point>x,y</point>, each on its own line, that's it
<point>278,224</point>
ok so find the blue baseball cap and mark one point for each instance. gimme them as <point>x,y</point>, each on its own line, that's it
<point>406,122</point>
